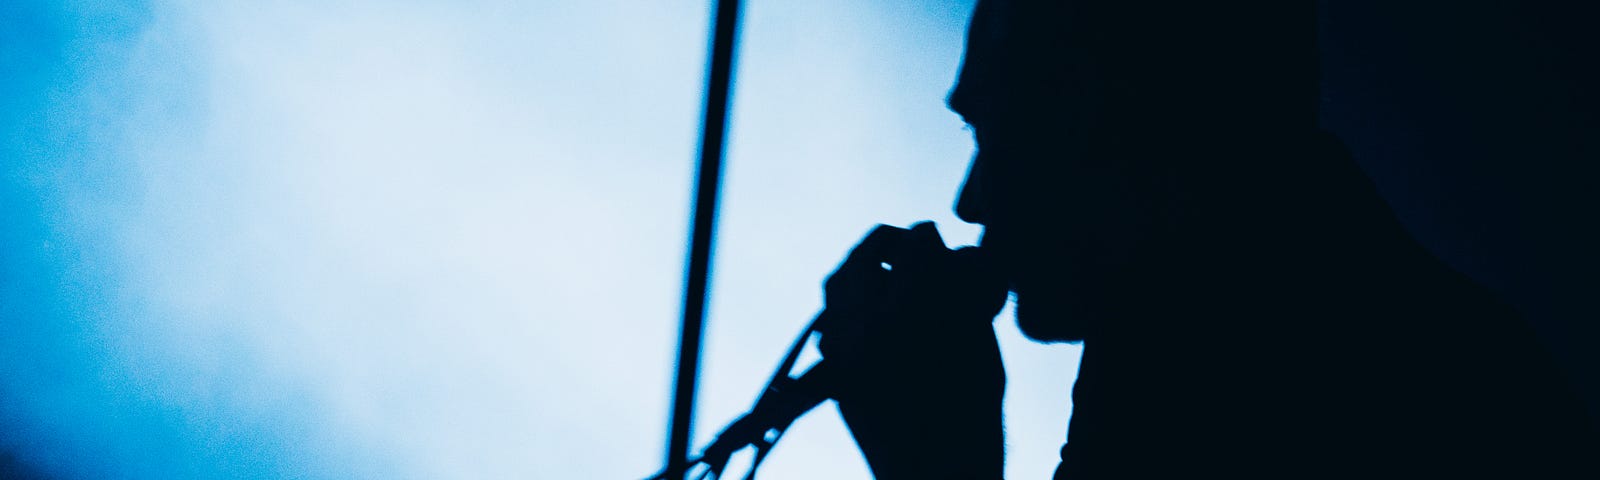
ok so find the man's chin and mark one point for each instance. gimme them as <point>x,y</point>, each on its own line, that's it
<point>1051,323</point>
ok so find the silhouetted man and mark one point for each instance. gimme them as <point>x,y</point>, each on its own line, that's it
<point>1153,182</point>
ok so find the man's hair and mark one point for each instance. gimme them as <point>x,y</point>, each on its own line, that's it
<point>1136,58</point>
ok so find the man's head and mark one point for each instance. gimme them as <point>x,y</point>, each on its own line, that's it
<point>1052,221</point>
<point>1080,111</point>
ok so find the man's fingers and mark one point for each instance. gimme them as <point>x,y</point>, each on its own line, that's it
<point>860,279</point>
<point>877,247</point>
<point>922,244</point>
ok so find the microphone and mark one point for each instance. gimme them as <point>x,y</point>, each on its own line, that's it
<point>783,401</point>
<point>900,293</point>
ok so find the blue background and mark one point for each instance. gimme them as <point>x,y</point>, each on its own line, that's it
<point>428,239</point>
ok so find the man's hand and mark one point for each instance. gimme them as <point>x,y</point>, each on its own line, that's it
<point>909,326</point>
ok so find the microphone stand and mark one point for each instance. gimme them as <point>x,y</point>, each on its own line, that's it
<point>714,128</point>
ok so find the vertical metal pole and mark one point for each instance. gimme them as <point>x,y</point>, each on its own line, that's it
<point>714,128</point>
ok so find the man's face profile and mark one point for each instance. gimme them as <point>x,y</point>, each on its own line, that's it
<point>1059,220</point>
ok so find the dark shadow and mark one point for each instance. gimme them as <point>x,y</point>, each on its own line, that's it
<point>13,468</point>
<point>1166,182</point>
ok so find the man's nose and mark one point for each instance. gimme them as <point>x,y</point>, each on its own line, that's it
<point>970,204</point>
